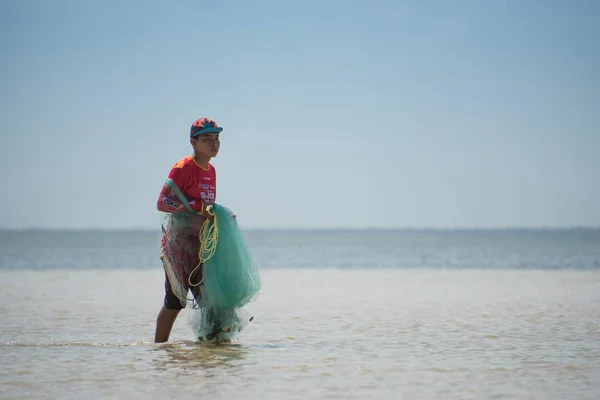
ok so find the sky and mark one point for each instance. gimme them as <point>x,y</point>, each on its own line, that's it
<point>336,114</point>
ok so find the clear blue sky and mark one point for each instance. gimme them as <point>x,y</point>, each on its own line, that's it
<point>336,114</point>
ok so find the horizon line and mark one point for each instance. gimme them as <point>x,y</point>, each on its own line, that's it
<point>320,229</point>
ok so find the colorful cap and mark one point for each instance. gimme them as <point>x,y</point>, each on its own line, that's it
<point>204,125</point>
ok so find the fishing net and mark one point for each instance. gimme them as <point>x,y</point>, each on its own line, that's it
<point>180,245</point>
<point>217,325</point>
<point>231,278</point>
<point>210,258</point>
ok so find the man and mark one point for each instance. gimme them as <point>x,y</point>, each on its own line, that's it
<point>195,179</point>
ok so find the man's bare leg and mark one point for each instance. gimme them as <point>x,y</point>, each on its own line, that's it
<point>164,324</point>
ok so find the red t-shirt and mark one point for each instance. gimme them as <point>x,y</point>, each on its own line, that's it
<point>196,183</point>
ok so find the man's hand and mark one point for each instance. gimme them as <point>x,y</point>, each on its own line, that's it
<point>201,208</point>
<point>208,210</point>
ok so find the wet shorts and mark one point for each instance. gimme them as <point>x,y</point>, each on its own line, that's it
<point>171,300</point>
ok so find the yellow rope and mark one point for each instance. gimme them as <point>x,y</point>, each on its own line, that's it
<point>208,244</point>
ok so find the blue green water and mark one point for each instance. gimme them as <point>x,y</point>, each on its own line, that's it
<point>480,249</point>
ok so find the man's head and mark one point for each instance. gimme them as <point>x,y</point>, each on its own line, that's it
<point>204,137</point>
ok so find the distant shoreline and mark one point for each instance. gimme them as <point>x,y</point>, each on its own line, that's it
<point>317,230</point>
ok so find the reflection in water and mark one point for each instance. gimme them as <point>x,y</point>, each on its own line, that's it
<point>190,356</point>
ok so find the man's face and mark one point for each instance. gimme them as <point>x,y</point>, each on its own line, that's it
<point>207,144</point>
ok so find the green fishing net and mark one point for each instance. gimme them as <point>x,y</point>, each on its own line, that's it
<point>231,278</point>
<point>217,325</point>
<point>211,259</point>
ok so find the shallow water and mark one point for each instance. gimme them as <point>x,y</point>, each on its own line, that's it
<point>317,333</point>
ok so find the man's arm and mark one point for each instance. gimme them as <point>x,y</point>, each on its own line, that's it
<point>168,201</point>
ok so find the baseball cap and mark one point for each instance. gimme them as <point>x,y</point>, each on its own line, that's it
<point>204,125</point>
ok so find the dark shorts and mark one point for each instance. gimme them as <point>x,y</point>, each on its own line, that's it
<point>171,300</point>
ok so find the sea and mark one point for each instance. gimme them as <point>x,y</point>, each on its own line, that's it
<point>342,314</point>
